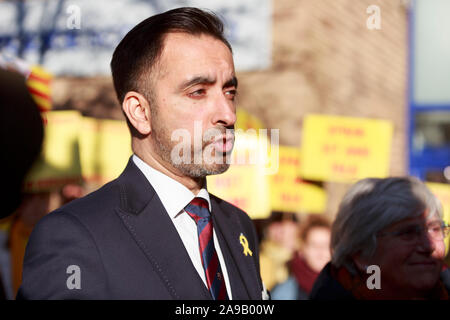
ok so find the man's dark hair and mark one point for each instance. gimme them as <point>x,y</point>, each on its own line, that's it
<point>139,50</point>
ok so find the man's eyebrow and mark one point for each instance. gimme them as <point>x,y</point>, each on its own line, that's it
<point>233,82</point>
<point>196,80</point>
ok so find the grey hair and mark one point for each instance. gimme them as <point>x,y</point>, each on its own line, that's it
<point>371,205</point>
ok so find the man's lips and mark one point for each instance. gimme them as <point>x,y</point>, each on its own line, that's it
<point>224,144</point>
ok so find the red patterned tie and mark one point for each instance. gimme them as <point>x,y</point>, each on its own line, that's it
<point>198,210</point>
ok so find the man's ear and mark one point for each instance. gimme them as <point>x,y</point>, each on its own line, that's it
<point>137,110</point>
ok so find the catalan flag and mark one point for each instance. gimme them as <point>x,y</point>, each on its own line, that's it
<point>38,80</point>
<point>38,83</point>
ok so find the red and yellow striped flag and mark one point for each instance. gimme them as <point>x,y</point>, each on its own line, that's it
<point>38,83</point>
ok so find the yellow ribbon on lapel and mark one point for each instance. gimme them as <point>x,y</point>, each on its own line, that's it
<point>244,242</point>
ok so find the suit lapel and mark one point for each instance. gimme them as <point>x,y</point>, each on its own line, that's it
<point>148,222</point>
<point>241,268</point>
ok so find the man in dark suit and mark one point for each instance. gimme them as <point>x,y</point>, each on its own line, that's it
<point>155,232</point>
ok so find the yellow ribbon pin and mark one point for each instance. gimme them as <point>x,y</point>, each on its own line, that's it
<point>244,242</point>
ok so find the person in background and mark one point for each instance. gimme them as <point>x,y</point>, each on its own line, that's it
<point>21,137</point>
<point>279,242</point>
<point>34,206</point>
<point>387,242</point>
<point>308,261</point>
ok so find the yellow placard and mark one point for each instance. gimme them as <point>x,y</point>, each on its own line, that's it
<point>442,192</point>
<point>59,161</point>
<point>245,121</point>
<point>345,149</point>
<point>105,148</point>
<point>288,192</point>
<point>245,183</point>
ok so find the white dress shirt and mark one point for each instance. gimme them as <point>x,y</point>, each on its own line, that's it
<point>175,197</point>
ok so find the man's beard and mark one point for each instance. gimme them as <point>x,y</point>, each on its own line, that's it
<point>216,162</point>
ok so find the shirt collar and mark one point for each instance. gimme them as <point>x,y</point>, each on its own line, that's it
<point>173,195</point>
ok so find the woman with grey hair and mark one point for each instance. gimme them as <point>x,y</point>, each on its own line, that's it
<point>387,242</point>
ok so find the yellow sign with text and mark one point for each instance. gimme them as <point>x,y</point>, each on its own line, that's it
<point>345,149</point>
<point>288,192</point>
<point>245,183</point>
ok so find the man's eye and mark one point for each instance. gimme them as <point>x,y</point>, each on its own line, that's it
<point>231,93</point>
<point>197,93</point>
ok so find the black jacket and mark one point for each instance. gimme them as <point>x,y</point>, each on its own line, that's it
<point>328,288</point>
<point>126,247</point>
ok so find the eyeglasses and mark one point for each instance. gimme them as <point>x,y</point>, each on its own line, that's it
<point>437,230</point>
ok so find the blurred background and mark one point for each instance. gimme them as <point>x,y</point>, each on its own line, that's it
<point>329,92</point>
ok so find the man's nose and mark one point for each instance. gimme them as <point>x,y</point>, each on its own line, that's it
<point>224,111</point>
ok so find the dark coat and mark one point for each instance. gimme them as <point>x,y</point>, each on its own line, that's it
<point>445,277</point>
<point>328,288</point>
<point>126,247</point>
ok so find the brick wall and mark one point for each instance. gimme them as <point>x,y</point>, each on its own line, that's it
<point>325,60</point>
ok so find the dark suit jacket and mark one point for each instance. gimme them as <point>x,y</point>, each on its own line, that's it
<point>326,287</point>
<point>126,247</point>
